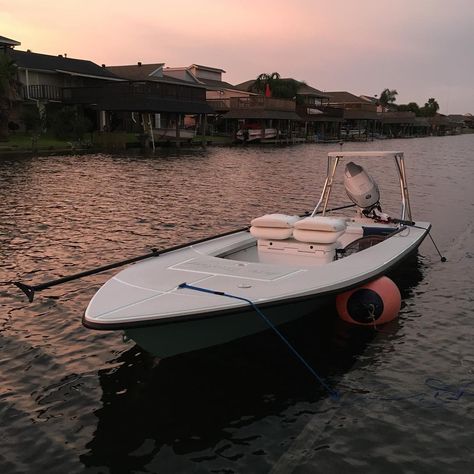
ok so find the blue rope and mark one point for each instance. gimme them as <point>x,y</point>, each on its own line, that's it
<point>332,393</point>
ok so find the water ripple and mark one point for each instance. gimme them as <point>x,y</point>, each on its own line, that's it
<point>74,400</point>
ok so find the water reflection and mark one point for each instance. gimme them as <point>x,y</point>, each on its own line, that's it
<point>237,407</point>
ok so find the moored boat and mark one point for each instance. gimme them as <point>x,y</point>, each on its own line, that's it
<point>256,134</point>
<point>206,293</point>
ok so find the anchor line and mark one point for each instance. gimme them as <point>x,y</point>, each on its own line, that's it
<point>334,394</point>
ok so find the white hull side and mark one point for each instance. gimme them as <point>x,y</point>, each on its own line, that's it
<point>167,340</point>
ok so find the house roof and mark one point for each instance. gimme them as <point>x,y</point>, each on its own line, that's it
<point>304,89</point>
<point>439,119</point>
<point>460,118</point>
<point>45,62</point>
<point>8,41</point>
<point>185,72</point>
<point>136,72</point>
<point>370,98</point>
<point>245,86</point>
<point>397,117</point>
<point>144,72</point>
<point>213,84</point>
<point>209,83</point>
<point>344,97</point>
<point>207,68</point>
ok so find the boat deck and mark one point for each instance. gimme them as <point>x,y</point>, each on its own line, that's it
<point>149,290</point>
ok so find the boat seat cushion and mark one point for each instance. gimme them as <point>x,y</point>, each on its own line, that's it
<point>275,220</point>
<point>321,223</point>
<point>316,236</point>
<point>273,226</point>
<point>319,229</point>
<point>271,233</point>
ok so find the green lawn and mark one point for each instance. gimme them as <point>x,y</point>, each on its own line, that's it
<point>23,141</point>
<point>116,140</point>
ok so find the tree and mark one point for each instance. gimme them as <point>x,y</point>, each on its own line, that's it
<point>279,88</point>
<point>388,97</point>
<point>262,80</point>
<point>410,107</point>
<point>9,86</point>
<point>430,108</point>
<point>285,88</point>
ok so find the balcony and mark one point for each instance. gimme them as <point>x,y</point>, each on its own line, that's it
<point>262,103</point>
<point>141,96</point>
<point>43,92</point>
<point>136,89</point>
<point>219,105</point>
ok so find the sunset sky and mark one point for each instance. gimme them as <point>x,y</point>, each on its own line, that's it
<point>422,48</point>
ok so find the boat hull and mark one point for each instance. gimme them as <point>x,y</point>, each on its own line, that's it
<point>167,340</point>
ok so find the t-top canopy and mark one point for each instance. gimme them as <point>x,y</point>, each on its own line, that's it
<point>364,154</point>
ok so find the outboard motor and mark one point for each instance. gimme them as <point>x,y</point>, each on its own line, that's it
<point>362,189</point>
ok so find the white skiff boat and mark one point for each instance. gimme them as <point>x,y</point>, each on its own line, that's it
<point>286,265</point>
<point>252,134</point>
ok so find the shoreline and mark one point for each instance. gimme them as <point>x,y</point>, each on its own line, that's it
<point>8,152</point>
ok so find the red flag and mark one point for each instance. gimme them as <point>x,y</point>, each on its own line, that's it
<point>268,92</point>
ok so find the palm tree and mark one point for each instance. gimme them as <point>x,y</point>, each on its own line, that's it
<point>431,107</point>
<point>8,91</point>
<point>388,97</point>
<point>264,79</point>
<point>279,88</point>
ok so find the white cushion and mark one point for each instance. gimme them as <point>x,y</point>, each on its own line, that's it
<point>316,236</point>
<point>271,233</point>
<point>275,220</point>
<point>328,224</point>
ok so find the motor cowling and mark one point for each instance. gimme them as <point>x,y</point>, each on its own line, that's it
<point>360,186</point>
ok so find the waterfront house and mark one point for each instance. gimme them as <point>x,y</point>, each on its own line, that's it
<point>307,116</point>
<point>218,92</point>
<point>360,114</point>
<point>210,77</point>
<point>462,123</point>
<point>42,78</point>
<point>321,121</point>
<point>122,98</point>
<point>165,100</point>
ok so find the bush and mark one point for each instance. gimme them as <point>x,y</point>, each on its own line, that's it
<point>30,117</point>
<point>69,122</point>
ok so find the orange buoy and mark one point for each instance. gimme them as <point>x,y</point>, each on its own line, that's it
<point>376,302</point>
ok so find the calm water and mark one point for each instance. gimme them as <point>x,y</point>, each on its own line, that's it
<point>75,400</point>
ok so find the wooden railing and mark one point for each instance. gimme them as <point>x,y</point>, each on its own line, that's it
<point>355,106</point>
<point>260,102</point>
<point>143,89</point>
<point>43,92</point>
<point>219,105</point>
